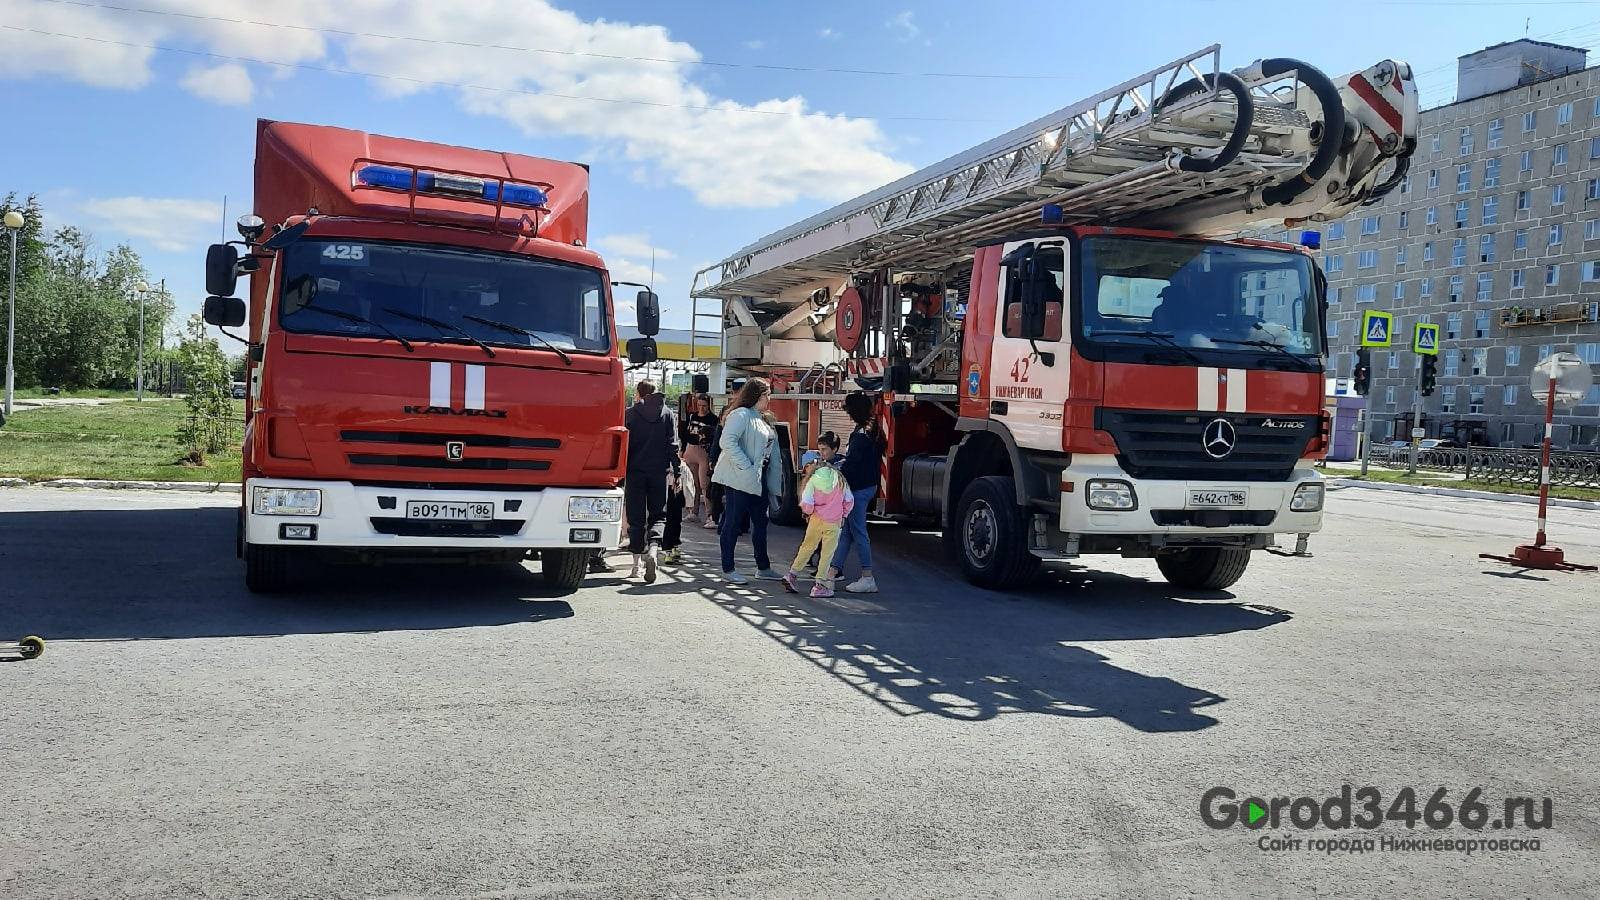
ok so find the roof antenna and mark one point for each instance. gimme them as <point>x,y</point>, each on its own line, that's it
<point>224,218</point>
<point>1525,25</point>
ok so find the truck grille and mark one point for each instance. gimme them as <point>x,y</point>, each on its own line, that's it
<point>1170,445</point>
<point>414,528</point>
<point>1213,518</point>
<point>437,439</point>
<point>482,463</point>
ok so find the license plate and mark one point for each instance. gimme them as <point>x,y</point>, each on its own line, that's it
<point>1217,498</point>
<point>457,512</point>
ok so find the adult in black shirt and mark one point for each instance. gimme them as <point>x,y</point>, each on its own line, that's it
<point>652,460</point>
<point>861,471</point>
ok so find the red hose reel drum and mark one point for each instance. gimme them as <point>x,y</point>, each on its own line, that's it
<point>852,320</point>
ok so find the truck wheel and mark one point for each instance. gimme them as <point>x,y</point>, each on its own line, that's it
<point>238,536</point>
<point>786,510</point>
<point>1204,568</point>
<point>564,569</point>
<point>266,568</point>
<point>992,535</point>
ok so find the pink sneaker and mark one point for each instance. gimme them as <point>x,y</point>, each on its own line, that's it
<point>788,583</point>
<point>821,590</point>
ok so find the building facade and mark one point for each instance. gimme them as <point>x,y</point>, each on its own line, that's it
<point>1494,235</point>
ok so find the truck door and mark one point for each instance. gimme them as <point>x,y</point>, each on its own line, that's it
<point>1029,378</point>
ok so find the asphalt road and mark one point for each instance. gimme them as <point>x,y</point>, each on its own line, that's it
<point>466,733</point>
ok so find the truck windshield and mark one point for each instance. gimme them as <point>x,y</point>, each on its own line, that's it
<point>379,288</point>
<point>1148,293</point>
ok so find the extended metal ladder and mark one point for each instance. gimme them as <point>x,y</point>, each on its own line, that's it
<point>1111,158</point>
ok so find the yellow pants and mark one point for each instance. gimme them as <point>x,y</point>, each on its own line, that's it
<point>818,533</point>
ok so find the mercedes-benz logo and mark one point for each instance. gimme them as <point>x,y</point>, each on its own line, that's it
<point>1218,438</point>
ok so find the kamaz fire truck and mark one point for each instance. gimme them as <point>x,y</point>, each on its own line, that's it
<point>434,370</point>
<point>1076,344</point>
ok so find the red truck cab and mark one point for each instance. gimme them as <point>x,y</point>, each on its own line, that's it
<point>433,359</point>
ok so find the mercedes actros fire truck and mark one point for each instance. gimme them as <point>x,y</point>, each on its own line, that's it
<point>1075,343</point>
<point>434,369</point>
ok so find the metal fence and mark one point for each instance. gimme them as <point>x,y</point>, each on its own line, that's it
<point>1497,464</point>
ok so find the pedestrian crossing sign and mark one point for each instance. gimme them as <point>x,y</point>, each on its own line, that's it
<point>1425,339</point>
<point>1376,328</point>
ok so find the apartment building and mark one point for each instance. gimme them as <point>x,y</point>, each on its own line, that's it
<point>1495,235</point>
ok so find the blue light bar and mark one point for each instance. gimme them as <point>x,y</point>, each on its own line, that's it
<point>1312,239</point>
<point>1051,214</point>
<point>399,179</point>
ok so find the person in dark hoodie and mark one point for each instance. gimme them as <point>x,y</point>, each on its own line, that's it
<point>652,458</point>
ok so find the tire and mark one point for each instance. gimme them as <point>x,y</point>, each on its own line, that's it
<point>1204,568</point>
<point>266,568</point>
<point>238,536</point>
<point>786,512</point>
<point>991,535</point>
<point>564,569</point>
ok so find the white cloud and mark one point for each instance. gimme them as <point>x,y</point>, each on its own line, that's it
<point>228,84</point>
<point>828,33</point>
<point>622,269</point>
<point>637,245</point>
<point>725,152</point>
<point>755,45</point>
<point>167,224</point>
<point>904,24</point>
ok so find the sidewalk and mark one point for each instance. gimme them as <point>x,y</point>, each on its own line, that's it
<point>205,487</point>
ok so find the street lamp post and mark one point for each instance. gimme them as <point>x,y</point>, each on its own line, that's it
<point>142,288</point>
<point>14,222</point>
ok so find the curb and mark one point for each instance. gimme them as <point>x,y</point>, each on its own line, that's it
<point>1465,494</point>
<point>199,487</point>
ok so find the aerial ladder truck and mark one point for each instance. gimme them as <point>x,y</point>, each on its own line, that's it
<point>1095,334</point>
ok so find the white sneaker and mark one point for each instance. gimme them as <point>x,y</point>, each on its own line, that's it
<point>635,572</point>
<point>734,578</point>
<point>867,585</point>
<point>650,565</point>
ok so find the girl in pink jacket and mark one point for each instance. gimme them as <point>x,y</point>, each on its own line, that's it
<point>826,500</point>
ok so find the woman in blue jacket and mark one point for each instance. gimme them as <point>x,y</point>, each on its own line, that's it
<point>748,468</point>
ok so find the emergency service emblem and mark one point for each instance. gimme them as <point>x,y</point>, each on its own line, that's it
<point>974,381</point>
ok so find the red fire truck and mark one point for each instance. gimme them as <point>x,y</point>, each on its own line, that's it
<point>1074,344</point>
<point>434,369</point>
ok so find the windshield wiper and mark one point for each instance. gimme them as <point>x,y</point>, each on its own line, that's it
<point>1305,364</point>
<point>442,326</point>
<point>352,317</point>
<point>533,334</point>
<point>1163,336</point>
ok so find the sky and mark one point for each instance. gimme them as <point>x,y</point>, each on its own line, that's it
<point>706,125</point>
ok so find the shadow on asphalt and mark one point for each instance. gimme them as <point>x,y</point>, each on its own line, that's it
<point>172,573</point>
<point>930,643</point>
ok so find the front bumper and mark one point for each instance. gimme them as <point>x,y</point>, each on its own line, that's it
<point>376,518</point>
<point>1168,507</point>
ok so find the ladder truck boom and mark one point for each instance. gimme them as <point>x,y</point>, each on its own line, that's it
<point>1185,147</point>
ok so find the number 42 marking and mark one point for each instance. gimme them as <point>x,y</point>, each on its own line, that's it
<point>1019,369</point>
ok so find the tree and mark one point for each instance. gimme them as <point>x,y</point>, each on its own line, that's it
<point>205,370</point>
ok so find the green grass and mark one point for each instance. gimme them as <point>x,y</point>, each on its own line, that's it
<point>126,441</point>
<point>1391,476</point>
<point>81,393</point>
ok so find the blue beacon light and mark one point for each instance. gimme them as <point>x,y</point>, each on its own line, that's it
<point>1311,239</point>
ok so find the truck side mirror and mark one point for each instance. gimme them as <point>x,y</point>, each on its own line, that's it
<point>222,270</point>
<point>648,306</point>
<point>642,351</point>
<point>286,236</point>
<point>223,312</point>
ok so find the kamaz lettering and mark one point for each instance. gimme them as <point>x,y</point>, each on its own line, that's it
<point>447,411</point>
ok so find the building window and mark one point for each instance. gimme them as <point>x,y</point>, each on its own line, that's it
<point>1435,147</point>
<point>1491,172</point>
<point>1522,201</point>
<point>1335,264</point>
<point>1594,189</point>
<point>1552,275</point>
<point>1491,210</point>
<point>1461,213</point>
<point>1591,230</point>
<point>1480,361</point>
<point>1452,326</point>
<point>1594,148</point>
<point>1463,179</point>
<point>1516,278</point>
<point>1564,114</point>
<point>1333,329</point>
<point>1333,296</point>
<point>1336,231</point>
<point>1427,287</point>
<point>1405,216</point>
<point>1486,248</point>
<point>1475,400</point>
<point>1508,397</point>
<point>1432,217</point>
<point>1555,235</point>
<point>1394,360</point>
<point>1399,290</point>
<point>1433,177</point>
<point>1522,240</point>
<point>1427,251</point>
<point>1527,160</point>
<point>1447,400</point>
<point>1388,395</point>
<point>1482,318</point>
<point>1458,252</point>
<point>1559,155</point>
<point>1405,185</point>
<point>1544,351</point>
<point>1466,142</point>
<point>1452,363</point>
<point>1400,255</point>
<point>1370,224</point>
<point>1513,355</point>
<point>1496,127</point>
<point>1455,288</point>
<point>1485,286</point>
<point>1591,271</point>
<point>1558,195</point>
<point>1530,120</point>
<point>1589,353</point>
<point>1368,259</point>
<point>1367,293</point>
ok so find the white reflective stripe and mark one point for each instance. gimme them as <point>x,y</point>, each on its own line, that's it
<point>1541,524</point>
<point>474,387</point>
<point>439,384</point>
<point>1549,429</point>
<point>1544,474</point>
<point>1206,389</point>
<point>1237,382</point>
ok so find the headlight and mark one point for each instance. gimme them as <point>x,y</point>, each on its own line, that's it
<point>1104,494</point>
<point>1307,497</point>
<point>594,509</point>
<point>270,501</point>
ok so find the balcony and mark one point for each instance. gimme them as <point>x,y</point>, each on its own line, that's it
<point>1521,316</point>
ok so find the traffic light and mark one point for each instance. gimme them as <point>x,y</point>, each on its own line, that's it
<point>1429,375</point>
<point>1363,373</point>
